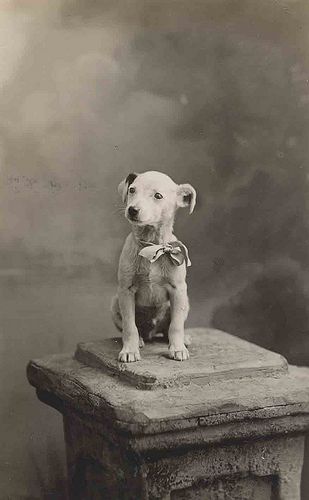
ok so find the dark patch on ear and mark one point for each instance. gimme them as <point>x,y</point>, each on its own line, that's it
<point>187,198</point>
<point>130,178</point>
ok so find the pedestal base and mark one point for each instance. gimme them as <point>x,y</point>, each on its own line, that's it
<point>100,468</point>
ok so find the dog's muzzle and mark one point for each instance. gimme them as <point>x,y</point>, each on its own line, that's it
<point>133,213</point>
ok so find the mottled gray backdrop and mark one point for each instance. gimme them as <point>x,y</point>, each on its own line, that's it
<point>212,92</point>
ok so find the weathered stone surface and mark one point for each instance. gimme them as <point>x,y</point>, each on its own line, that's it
<point>214,355</point>
<point>199,434</point>
<point>102,466</point>
<point>94,392</point>
<point>259,488</point>
<point>197,471</point>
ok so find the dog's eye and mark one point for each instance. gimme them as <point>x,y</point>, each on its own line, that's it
<point>132,190</point>
<point>158,196</point>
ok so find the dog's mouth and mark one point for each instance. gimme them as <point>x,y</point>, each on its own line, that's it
<point>134,219</point>
<point>136,222</point>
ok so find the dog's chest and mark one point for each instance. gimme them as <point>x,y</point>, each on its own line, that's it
<point>154,273</point>
<point>152,282</point>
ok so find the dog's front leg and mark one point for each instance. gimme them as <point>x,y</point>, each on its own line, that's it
<point>179,311</point>
<point>130,337</point>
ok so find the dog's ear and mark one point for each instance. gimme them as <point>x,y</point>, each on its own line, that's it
<point>186,196</point>
<point>124,185</point>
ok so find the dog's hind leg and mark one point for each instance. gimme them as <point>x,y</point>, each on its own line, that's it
<point>162,320</point>
<point>116,314</point>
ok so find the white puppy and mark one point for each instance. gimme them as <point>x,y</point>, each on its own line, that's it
<point>152,291</point>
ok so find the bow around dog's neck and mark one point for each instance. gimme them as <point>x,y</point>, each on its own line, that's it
<point>153,242</point>
<point>160,234</point>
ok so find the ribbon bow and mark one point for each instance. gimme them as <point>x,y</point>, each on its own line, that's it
<point>175,250</point>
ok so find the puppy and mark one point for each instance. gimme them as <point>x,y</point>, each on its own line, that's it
<point>152,291</point>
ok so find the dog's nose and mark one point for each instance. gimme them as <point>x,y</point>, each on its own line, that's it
<point>132,211</point>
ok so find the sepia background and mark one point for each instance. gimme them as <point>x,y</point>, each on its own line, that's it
<point>212,92</point>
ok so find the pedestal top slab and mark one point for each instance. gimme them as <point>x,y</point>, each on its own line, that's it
<point>214,355</point>
<point>221,385</point>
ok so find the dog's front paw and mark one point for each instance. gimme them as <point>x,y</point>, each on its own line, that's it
<point>180,353</point>
<point>129,354</point>
<point>188,339</point>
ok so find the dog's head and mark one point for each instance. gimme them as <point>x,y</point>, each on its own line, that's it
<point>152,198</point>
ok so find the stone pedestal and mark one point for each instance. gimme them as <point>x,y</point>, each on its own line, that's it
<point>227,424</point>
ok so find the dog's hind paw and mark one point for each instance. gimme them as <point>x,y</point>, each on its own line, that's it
<point>178,353</point>
<point>129,356</point>
<point>141,343</point>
